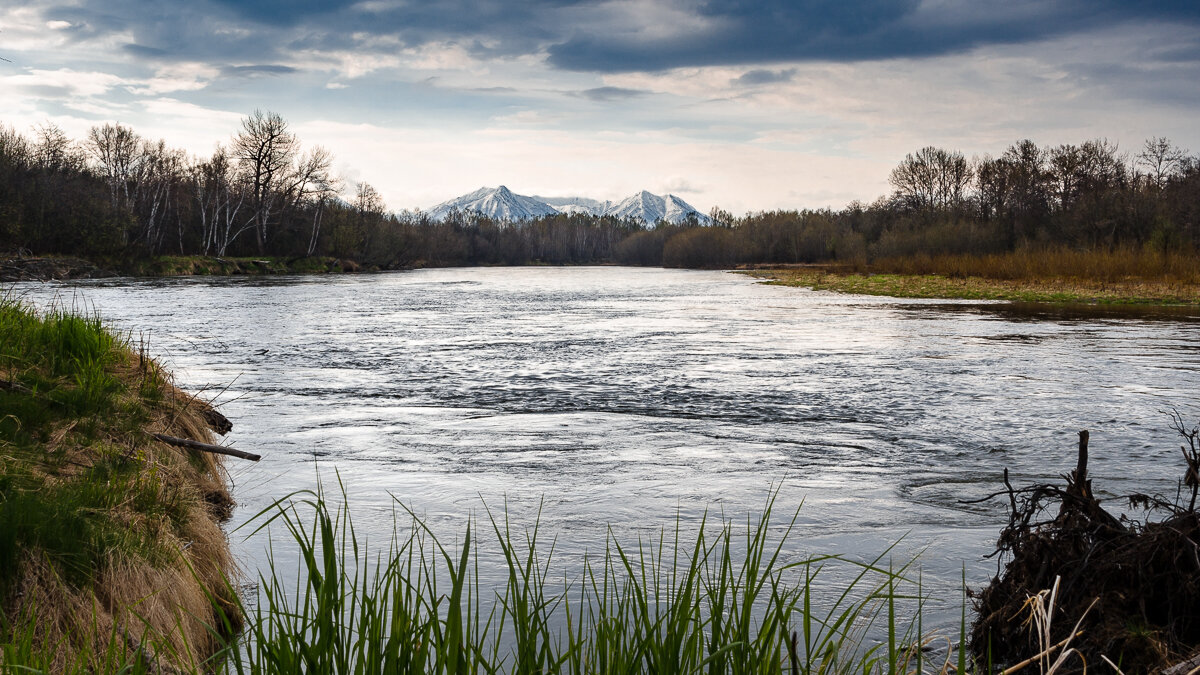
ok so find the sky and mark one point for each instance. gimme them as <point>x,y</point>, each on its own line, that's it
<point>748,106</point>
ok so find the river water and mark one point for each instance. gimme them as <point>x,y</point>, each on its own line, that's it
<point>629,397</point>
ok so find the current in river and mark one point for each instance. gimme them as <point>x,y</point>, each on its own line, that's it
<point>635,398</point>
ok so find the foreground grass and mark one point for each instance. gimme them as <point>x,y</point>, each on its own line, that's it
<point>724,598</point>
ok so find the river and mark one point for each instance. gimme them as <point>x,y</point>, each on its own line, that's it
<point>629,397</point>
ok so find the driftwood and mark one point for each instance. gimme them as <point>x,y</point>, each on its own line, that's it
<point>207,447</point>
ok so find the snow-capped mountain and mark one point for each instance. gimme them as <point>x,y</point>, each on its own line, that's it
<point>651,208</point>
<point>503,204</point>
<point>592,207</point>
<point>497,203</point>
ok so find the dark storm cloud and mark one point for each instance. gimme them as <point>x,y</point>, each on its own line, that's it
<point>736,32</point>
<point>604,36</point>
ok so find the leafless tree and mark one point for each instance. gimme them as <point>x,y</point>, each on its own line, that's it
<point>1162,160</point>
<point>52,149</point>
<point>932,178</point>
<point>219,198</point>
<point>116,150</point>
<point>264,151</point>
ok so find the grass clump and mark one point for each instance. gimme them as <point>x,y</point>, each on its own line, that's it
<point>724,598</point>
<point>96,516</point>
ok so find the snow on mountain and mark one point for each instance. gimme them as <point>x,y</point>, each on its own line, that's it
<point>591,207</point>
<point>502,204</point>
<point>496,203</point>
<point>651,208</point>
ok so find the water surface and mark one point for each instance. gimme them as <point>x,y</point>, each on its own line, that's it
<point>629,397</point>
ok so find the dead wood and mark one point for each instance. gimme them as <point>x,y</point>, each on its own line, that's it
<point>207,447</point>
<point>1143,575</point>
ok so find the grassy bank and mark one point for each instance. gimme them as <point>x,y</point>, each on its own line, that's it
<point>97,517</point>
<point>1058,276</point>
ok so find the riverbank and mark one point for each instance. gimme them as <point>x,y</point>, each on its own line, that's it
<point>36,268</point>
<point>110,538</point>
<point>1044,290</point>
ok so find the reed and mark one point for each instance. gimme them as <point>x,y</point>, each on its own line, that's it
<point>721,599</point>
<point>724,598</point>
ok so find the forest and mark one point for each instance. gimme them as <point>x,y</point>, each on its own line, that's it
<point>116,196</point>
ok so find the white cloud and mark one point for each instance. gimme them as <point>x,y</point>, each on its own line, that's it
<point>70,82</point>
<point>176,77</point>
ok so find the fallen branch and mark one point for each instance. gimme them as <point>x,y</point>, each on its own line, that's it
<point>207,447</point>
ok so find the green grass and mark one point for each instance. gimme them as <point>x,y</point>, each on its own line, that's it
<point>61,392</point>
<point>81,483</point>
<point>724,597</point>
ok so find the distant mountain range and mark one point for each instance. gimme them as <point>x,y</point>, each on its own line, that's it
<point>503,204</point>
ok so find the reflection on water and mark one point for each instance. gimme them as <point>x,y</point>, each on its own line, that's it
<point>630,396</point>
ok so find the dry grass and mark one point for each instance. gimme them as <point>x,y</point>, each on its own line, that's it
<point>1122,276</point>
<point>1086,267</point>
<point>1056,290</point>
<point>114,538</point>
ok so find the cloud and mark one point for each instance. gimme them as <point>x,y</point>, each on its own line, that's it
<point>64,82</point>
<point>760,76</point>
<point>598,36</point>
<point>837,30</point>
<point>609,94</point>
<point>679,185</point>
<point>256,70</point>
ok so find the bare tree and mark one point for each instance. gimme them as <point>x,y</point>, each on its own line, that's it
<point>52,150</point>
<point>160,174</point>
<point>115,149</point>
<point>264,150</point>
<point>14,148</point>
<point>1162,160</point>
<point>932,178</point>
<point>317,186</point>
<point>219,198</point>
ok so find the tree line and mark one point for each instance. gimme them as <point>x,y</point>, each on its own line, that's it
<point>115,195</point>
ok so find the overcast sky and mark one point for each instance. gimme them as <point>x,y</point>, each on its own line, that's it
<point>746,105</point>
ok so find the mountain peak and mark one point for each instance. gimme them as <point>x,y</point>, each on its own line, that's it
<point>501,203</point>
<point>497,203</point>
<point>651,208</point>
